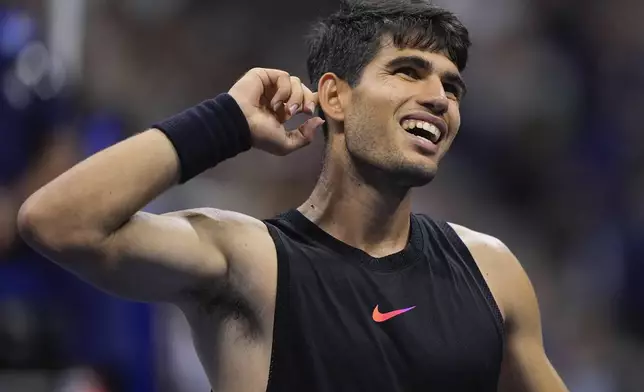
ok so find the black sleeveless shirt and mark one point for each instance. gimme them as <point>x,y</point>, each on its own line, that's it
<point>422,319</point>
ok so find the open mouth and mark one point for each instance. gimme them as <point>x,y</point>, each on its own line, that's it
<point>422,129</point>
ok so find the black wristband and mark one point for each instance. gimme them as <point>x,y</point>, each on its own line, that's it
<point>207,134</point>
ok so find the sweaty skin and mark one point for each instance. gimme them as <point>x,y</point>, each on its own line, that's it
<point>220,267</point>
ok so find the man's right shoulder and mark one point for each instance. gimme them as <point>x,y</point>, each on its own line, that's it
<point>233,232</point>
<point>219,220</point>
<point>242,239</point>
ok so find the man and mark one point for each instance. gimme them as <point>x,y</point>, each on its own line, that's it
<point>351,291</point>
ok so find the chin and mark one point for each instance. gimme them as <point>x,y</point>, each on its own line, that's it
<point>415,175</point>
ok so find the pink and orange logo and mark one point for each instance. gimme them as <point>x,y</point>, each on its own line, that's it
<point>380,317</point>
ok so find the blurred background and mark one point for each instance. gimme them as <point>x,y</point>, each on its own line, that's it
<point>550,159</point>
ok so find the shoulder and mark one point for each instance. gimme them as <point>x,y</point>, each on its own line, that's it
<point>247,246</point>
<point>502,270</point>
<point>216,216</point>
<point>475,241</point>
<point>222,221</point>
<point>481,242</point>
<point>490,253</point>
<point>234,233</point>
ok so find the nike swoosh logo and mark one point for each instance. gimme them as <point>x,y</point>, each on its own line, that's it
<point>380,317</point>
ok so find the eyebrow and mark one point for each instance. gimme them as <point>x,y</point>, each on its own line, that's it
<point>415,61</point>
<point>426,66</point>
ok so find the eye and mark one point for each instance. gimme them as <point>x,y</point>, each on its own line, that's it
<point>408,71</point>
<point>452,90</point>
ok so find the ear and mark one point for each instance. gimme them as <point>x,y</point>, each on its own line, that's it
<point>333,94</point>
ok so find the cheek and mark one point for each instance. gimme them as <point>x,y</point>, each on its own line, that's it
<point>383,98</point>
<point>454,117</point>
<point>368,120</point>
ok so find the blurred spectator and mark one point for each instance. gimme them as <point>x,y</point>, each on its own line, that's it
<point>37,144</point>
<point>37,139</point>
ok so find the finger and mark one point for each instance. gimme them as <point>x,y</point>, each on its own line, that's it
<point>283,92</point>
<point>310,126</point>
<point>295,101</point>
<point>304,134</point>
<point>310,101</point>
<point>268,78</point>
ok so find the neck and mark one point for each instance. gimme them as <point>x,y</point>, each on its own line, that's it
<point>360,210</point>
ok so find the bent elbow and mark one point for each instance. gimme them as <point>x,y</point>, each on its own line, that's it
<point>29,221</point>
<point>44,231</point>
<point>35,226</point>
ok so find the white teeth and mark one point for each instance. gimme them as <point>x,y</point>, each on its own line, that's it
<point>434,131</point>
<point>431,128</point>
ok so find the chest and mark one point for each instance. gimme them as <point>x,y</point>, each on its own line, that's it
<point>426,324</point>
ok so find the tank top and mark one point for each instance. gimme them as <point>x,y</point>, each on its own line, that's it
<point>422,319</point>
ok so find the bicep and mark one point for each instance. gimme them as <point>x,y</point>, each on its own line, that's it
<point>155,258</point>
<point>526,366</point>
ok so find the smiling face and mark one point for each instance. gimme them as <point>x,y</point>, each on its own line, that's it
<point>403,115</point>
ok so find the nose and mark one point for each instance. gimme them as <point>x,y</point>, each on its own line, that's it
<point>434,98</point>
<point>437,105</point>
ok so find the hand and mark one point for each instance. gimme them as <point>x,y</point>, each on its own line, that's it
<point>268,98</point>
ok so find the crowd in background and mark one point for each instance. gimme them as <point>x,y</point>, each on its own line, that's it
<point>550,159</point>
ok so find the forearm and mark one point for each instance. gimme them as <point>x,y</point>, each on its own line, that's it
<point>98,195</point>
<point>95,198</point>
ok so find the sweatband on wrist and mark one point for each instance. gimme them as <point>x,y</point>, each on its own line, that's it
<point>207,134</point>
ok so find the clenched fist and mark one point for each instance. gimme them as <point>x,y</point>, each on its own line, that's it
<point>268,98</point>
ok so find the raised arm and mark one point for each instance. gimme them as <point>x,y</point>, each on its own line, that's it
<point>88,220</point>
